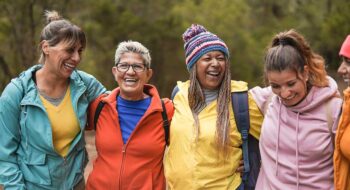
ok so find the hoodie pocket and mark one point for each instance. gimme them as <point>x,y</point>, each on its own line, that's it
<point>34,168</point>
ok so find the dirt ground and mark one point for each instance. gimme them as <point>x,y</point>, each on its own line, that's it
<point>90,146</point>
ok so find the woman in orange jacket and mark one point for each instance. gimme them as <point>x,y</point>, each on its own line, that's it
<point>130,130</point>
<point>342,139</point>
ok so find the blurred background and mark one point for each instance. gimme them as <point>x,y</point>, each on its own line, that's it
<point>246,26</point>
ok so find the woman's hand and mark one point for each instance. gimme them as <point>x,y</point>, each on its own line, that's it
<point>240,168</point>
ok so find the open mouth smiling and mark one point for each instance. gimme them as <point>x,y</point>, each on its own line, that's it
<point>213,73</point>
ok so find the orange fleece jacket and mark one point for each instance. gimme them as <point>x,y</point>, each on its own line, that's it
<point>138,164</point>
<point>342,163</point>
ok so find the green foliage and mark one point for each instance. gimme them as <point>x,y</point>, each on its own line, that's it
<point>246,27</point>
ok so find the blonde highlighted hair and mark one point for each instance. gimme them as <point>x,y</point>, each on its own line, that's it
<point>290,50</point>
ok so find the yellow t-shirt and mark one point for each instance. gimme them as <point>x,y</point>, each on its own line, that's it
<point>64,123</point>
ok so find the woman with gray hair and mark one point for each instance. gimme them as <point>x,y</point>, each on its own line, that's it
<point>43,114</point>
<point>129,124</point>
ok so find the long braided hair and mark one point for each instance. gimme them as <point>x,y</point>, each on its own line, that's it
<point>197,102</point>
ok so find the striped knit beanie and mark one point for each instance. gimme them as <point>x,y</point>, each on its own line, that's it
<point>199,41</point>
<point>345,48</point>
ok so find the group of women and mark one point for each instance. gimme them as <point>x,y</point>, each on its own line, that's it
<point>299,118</point>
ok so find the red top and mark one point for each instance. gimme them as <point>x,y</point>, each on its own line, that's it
<point>138,164</point>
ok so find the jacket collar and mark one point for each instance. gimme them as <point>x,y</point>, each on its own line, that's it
<point>148,89</point>
<point>30,90</point>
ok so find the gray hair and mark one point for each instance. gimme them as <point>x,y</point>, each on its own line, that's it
<point>134,47</point>
<point>58,30</point>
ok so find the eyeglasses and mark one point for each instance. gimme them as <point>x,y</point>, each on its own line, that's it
<point>123,67</point>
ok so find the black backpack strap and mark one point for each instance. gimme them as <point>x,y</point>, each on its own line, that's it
<point>165,123</point>
<point>97,112</point>
<point>241,111</point>
<point>174,92</point>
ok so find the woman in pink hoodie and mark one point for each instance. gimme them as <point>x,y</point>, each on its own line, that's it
<point>301,108</point>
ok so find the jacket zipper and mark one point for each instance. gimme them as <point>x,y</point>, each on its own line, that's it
<point>78,94</point>
<point>65,173</point>
<point>122,166</point>
<point>124,148</point>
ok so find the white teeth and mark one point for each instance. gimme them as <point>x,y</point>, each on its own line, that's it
<point>130,80</point>
<point>213,73</point>
<point>69,65</point>
<point>290,98</point>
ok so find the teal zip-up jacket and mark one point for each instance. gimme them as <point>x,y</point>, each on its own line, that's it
<point>28,159</point>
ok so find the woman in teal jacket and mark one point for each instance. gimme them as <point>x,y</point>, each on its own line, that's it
<point>43,114</point>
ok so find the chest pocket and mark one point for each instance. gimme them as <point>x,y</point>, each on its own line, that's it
<point>34,126</point>
<point>34,168</point>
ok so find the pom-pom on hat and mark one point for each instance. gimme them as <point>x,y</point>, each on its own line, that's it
<point>199,41</point>
<point>345,48</point>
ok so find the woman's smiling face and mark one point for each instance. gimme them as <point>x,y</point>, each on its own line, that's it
<point>290,86</point>
<point>211,69</point>
<point>131,83</point>
<point>62,58</point>
<point>344,69</point>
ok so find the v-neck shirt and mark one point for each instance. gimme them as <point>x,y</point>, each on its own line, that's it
<point>64,123</point>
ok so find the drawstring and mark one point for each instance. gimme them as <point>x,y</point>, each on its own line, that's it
<point>297,150</point>
<point>278,137</point>
<point>297,144</point>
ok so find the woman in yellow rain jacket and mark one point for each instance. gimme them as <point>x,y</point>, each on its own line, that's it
<point>205,145</point>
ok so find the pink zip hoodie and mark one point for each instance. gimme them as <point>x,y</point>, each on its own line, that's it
<point>295,142</point>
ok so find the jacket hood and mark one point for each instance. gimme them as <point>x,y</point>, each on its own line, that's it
<point>317,96</point>
<point>148,89</point>
<point>236,86</point>
<point>29,89</point>
<point>23,80</point>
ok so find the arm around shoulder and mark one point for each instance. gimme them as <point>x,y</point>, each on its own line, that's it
<point>255,116</point>
<point>262,97</point>
<point>93,86</point>
<point>92,112</point>
<point>169,106</point>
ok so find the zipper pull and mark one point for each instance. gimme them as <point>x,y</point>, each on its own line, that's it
<point>123,149</point>
<point>64,161</point>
